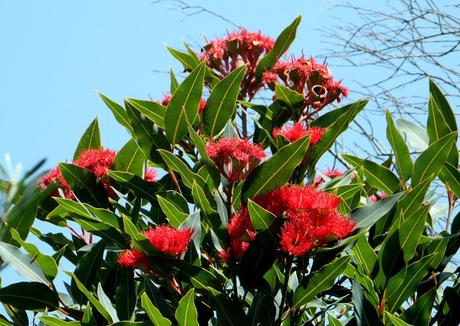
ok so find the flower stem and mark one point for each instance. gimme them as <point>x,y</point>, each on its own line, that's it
<point>285,288</point>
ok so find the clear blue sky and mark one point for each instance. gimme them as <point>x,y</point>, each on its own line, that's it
<point>55,55</point>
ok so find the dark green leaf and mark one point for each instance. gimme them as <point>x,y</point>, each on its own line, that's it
<point>125,297</point>
<point>380,177</point>
<point>118,111</point>
<point>174,83</point>
<point>430,162</point>
<point>221,103</point>
<point>153,312</point>
<point>368,215</point>
<point>183,105</point>
<point>451,176</point>
<point>130,158</point>
<point>153,111</point>
<point>282,44</point>
<point>186,313</point>
<point>276,171</point>
<point>291,98</point>
<point>29,296</point>
<point>261,219</point>
<point>403,159</point>
<point>187,60</point>
<point>91,139</point>
<point>419,313</point>
<point>320,281</point>
<point>138,185</point>
<point>364,254</point>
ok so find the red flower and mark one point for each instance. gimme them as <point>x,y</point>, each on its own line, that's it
<point>240,225</point>
<point>377,197</point>
<point>168,240</point>
<point>332,174</point>
<point>309,78</point>
<point>167,98</point>
<point>150,175</point>
<point>56,175</point>
<point>311,228</point>
<point>235,157</point>
<point>297,131</point>
<point>134,258</point>
<point>242,47</point>
<point>96,160</point>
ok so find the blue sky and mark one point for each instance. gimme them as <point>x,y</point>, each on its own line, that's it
<point>56,55</point>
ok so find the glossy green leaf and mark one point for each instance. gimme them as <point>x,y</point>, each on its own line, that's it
<point>419,313</point>
<point>202,200</point>
<point>451,176</point>
<point>403,160</point>
<point>46,263</point>
<point>118,111</point>
<point>221,104</point>
<point>410,232</point>
<point>368,215</point>
<point>186,313</point>
<point>261,219</point>
<point>106,303</point>
<point>55,321</point>
<point>187,60</point>
<point>320,281</point>
<point>183,105</point>
<point>130,158</point>
<point>276,171</point>
<point>174,215</point>
<point>416,135</point>
<point>282,44</point>
<point>86,270</point>
<point>174,83</point>
<point>380,177</point>
<point>84,184</point>
<point>92,299</point>
<point>29,296</point>
<point>366,313</point>
<point>153,111</point>
<point>336,121</point>
<point>430,162</point>
<point>153,312</point>
<point>22,263</point>
<point>364,254</point>
<point>291,98</point>
<point>147,134</point>
<point>402,285</point>
<point>91,139</point>
<point>138,185</point>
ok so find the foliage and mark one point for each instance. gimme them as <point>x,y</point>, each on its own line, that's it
<point>214,212</point>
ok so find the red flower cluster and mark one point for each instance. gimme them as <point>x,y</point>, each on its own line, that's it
<point>167,98</point>
<point>168,240</point>
<point>309,78</point>
<point>297,131</point>
<point>242,47</point>
<point>336,173</point>
<point>235,157</point>
<point>150,175</point>
<point>311,220</point>
<point>98,161</point>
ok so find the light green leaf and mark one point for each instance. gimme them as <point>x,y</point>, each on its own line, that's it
<point>173,213</point>
<point>368,215</point>
<point>186,313</point>
<point>403,160</point>
<point>153,312</point>
<point>416,135</point>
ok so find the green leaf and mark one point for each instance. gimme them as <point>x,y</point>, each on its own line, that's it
<point>86,270</point>
<point>153,111</point>
<point>403,160</point>
<point>320,281</point>
<point>420,312</point>
<point>228,313</point>
<point>220,106</point>
<point>153,312</point>
<point>336,121</point>
<point>368,215</point>
<point>29,296</point>
<point>262,310</point>
<point>288,96</point>
<point>451,176</point>
<point>91,139</point>
<point>412,200</point>
<point>22,263</point>
<point>282,44</point>
<point>402,285</point>
<point>92,299</point>
<point>118,111</point>
<point>138,185</point>
<point>276,171</point>
<point>366,314</point>
<point>441,119</point>
<point>410,232</point>
<point>174,82</point>
<point>106,303</point>
<point>380,177</point>
<point>184,104</point>
<point>202,199</point>
<point>395,320</point>
<point>187,60</point>
<point>261,219</point>
<point>55,321</point>
<point>136,235</point>
<point>125,297</point>
<point>46,263</point>
<point>186,313</point>
<point>130,158</point>
<point>416,135</point>
<point>84,184</point>
<point>364,254</point>
<point>147,134</point>
<point>175,163</point>
<point>430,162</point>
<point>173,213</point>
